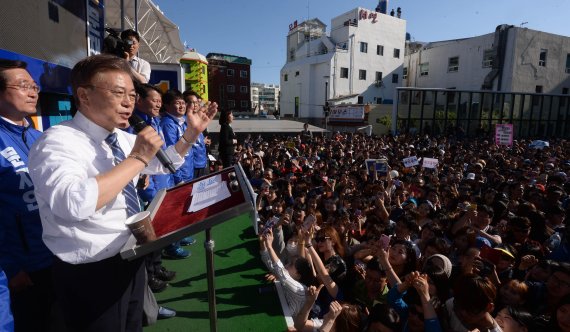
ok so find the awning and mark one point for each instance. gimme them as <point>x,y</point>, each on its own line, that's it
<point>160,38</point>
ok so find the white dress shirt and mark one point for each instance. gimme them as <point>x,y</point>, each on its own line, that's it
<point>63,165</point>
<point>294,291</point>
<point>141,66</point>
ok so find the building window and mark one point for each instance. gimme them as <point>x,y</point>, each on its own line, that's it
<point>360,100</point>
<point>343,72</point>
<point>424,69</point>
<point>362,74</point>
<point>243,73</point>
<point>244,104</point>
<point>243,89</point>
<point>363,47</point>
<point>378,100</point>
<point>231,104</point>
<point>538,89</point>
<point>292,54</point>
<point>285,77</point>
<point>542,58</point>
<point>397,53</point>
<point>230,72</point>
<point>564,91</point>
<point>296,73</point>
<point>380,49</point>
<point>488,58</point>
<point>453,65</point>
<point>378,76</point>
<point>568,63</point>
<point>405,73</point>
<point>394,78</point>
<point>231,89</point>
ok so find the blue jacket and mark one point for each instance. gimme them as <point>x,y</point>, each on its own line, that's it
<point>172,129</point>
<point>200,152</point>
<point>6,319</point>
<point>156,182</point>
<point>21,244</point>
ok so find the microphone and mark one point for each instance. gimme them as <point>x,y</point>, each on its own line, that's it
<point>138,124</point>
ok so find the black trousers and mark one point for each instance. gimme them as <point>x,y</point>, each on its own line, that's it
<point>33,307</point>
<point>227,159</point>
<point>102,296</point>
<point>153,262</point>
<point>199,172</point>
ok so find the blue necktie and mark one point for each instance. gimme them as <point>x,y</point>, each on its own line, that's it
<point>129,191</point>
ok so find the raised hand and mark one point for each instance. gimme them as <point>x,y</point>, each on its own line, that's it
<point>421,285</point>
<point>313,292</point>
<point>199,119</point>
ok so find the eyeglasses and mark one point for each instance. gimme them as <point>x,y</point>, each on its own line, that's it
<point>321,238</point>
<point>24,86</point>
<point>118,93</point>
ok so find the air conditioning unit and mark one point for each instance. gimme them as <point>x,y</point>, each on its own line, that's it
<point>379,83</point>
<point>453,69</point>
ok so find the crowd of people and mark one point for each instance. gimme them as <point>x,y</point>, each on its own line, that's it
<point>359,239</point>
<point>477,243</point>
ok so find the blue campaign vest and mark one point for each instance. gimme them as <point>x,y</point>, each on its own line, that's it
<point>21,244</point>
<point>172,131</point>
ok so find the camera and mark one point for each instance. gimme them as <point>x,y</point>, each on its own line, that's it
<point>113,44</point>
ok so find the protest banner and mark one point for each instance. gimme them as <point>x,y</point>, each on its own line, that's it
<point>410,161</point>
<point>430,163</point>
<point>504,134</point>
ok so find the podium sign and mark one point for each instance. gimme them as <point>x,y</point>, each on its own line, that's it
<point>172,220</point>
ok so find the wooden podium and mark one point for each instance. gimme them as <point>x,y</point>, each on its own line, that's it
<point>172,220</point>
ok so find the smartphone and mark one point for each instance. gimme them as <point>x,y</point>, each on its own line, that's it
<point>309,221</point>
<point>490,254</point>
<point>270,224</point>
<point>384,241</point>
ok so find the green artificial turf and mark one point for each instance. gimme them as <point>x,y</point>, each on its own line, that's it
<point>239,275</point>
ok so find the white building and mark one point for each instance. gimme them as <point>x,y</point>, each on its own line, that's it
<point>264,98</point>
<point>359,62</point>
<point>510,59</point>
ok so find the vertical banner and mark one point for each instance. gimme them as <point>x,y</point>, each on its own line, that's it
<point>504,134</point>
<point>95,26</point>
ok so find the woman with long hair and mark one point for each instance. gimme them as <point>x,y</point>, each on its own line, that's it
<point>228,141</point>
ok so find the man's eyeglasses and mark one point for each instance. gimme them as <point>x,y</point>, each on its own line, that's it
<point>321,238</point>
<point>118,93</point>
<point>24,87</point>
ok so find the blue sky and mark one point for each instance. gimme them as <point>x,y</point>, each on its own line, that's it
<point>257,29</point>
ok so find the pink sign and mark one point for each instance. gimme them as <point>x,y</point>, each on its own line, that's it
<point>504,134</point>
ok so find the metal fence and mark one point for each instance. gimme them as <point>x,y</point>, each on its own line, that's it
<point>475,113</point>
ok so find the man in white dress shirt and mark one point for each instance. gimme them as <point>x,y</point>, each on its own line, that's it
<point>140,67</point>
<point>83,195</point>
